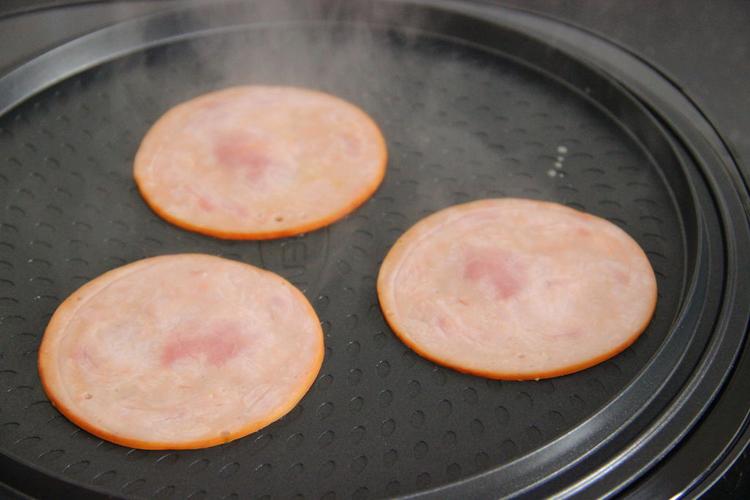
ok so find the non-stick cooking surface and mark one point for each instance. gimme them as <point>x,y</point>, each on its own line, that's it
<point>461,123</point>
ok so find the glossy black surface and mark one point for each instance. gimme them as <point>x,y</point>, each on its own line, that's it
<point>496,125</point>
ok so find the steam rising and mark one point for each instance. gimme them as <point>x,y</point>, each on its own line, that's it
<point>388,61</point>
<point>349,49</point>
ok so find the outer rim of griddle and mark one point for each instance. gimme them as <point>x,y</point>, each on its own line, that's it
<point>159,41</point>
<point>694,136</point>
<point>701,458</point>
<point>121,39</point>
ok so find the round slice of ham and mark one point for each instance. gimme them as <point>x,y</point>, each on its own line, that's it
<point>180,351</point>
<point>516,289</point>
<point>260,162</point>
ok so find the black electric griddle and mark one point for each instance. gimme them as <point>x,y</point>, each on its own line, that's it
<point>475,101</point>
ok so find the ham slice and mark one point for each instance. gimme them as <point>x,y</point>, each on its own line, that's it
<point>259,162</point>
<point>516,289</point>
<point>180,351</point>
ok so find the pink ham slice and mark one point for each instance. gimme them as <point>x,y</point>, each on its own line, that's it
<point>260,162</point>
<point>180,351</point>
<point>516,289</point>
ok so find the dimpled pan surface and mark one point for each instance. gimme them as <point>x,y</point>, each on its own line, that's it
<point>462,121</point>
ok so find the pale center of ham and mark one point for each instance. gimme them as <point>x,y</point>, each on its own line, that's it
<point>516,287</point>
<point>244,154</point>
<point>181,349</point>
<point>501,269</point>
<point>216,345</point>
<point>259,161</point>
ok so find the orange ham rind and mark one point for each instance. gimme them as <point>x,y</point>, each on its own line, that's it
<point>260,162</point>
<point>516,289</point>
<point>138,383</point>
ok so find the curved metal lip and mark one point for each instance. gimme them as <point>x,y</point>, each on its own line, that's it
<point>131,36</point>
<point>658,92</point>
